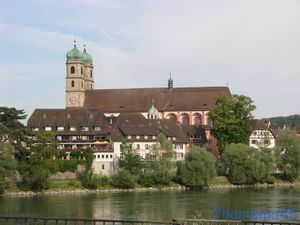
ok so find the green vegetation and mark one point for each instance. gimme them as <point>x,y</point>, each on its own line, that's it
<point>231,119</point>
<point>247,165</point>
<point>7,165</point>
<point>293,121</point>
<point>64,165</point>
<point>289,155</point>
<point>123,179</point>
<point>198,168</point>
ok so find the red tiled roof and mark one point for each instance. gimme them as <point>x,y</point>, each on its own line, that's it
<point>140,99</point>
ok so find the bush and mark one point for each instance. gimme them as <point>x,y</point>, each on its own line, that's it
<point>145,179</point>
<point>197,169</point>
<point>246,165</point>
<point>123,179</point>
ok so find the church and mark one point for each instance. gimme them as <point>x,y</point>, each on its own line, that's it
<point>102,118</point>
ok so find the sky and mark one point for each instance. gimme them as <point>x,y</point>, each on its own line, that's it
<point>251,46</point>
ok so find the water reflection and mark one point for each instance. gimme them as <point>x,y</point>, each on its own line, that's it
<point>152,205</point>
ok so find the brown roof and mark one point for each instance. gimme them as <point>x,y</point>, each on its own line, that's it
<point>54,118</point>
<point>140,99</point>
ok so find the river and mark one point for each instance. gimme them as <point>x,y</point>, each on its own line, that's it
<point>153,205</point>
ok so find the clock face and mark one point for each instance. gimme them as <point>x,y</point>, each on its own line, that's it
<point>72,100</point>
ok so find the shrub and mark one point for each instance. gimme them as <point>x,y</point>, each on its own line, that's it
<point>145,179</point>
<point>197,169</point>
<point>246,165</point>
<point>123,179</point>
<point>64,165</point>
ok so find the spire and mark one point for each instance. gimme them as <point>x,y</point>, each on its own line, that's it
<point>170,82</point>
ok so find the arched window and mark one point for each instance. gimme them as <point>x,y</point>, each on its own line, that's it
<point>91,86</point>
<point>185,119</point>
<point>73,69</point>
<point>82,84</point>
<point>81,70</point>
<point>197,119</point>
<point>72,83</point>
<point>91,73</point>
<point>172,117</point>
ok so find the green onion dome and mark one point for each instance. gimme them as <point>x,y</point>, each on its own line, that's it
<point>153,111</point>
<point>87,58</point>
<point>75,55</point>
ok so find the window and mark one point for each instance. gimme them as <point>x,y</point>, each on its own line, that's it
<point>91,86</point>
<point>128,137</point>
<point>103,166</point>
<point>197,119</point>
<point>106,156</point>
<point>138,137</point>
<point>98,156</point>
<point>138,146</point>
<point>72,128</point>
<point>91,73</point>
<point>185,119</point>
<point>82,84</point>
<point>84,138</point>
<point>153,137</point>
<point>253,141</point>
<point>102,157</point>
<point>267,142</point>
<point>111,156</point>
<point>174,138</point>
<point>146,146</point>
<point>145,137</point>
<point>85,129</point>
<point>72,83</point>
<point>97,128</point>
<point>68,116</point>
<point>72,69</point>
<point>60,128</point>
<point>47,128</point>
<point>81,70</point>
<point>35,129</point>
<point>73,138</point>
<point>254,133</point>
<point>59,138</point>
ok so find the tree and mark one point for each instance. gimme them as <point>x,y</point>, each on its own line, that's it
<point>160,163</point>
<point>123,179</point>
<point>246,165</point>
<point>35,170</point>
<point>12,131</point>
<point>7,164</point>
<point>88,178</point>
<point>231,119</point>
<point>288,147</point>
<point>197,169</point>
<point>129,158</point>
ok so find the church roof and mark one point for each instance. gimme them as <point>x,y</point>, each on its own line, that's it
<point>139,99</point>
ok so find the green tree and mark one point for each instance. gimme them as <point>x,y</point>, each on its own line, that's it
<point>129,158</point>
<point>88,178</point>
<point>13,131</point>
<point>246,165</point>
<point>288,147</point>
<point>231,120</point>
<point>197,169</point>
<point>35,170</point>
<point>159,162</point>
<point>7,164</point>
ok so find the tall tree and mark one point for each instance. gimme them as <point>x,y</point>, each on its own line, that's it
<point>231,120</point>
<point>12,130</point>
<point>130,159</point>
<point>7,164</point>
<point>160,163</point>
<point>288,146</point>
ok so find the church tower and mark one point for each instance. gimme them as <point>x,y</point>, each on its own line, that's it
<point>79,77</point>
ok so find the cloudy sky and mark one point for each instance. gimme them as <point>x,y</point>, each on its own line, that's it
<point>253,46</point>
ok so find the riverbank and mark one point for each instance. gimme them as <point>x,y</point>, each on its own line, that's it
<point>80,191</point>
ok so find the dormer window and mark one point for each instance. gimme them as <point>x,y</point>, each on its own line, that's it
<point>47,128</point>
<point>72,128</point>
<point>60,128</point>
<point>153,137</point>
<point>35,129</point>
<point>85,128</point>
<point>129,137</point>
<point>138,137</point>
<point>97,128</point>
<point>145,137</point>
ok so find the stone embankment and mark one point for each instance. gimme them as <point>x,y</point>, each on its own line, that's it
<point>231,186</point>
<point>86,191</point>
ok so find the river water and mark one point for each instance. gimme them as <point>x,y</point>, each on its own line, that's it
<point>154,205</point>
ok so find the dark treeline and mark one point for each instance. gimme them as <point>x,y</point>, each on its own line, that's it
<point>292,121</point>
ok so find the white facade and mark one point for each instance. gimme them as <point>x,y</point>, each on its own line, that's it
<point>262,139</point>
